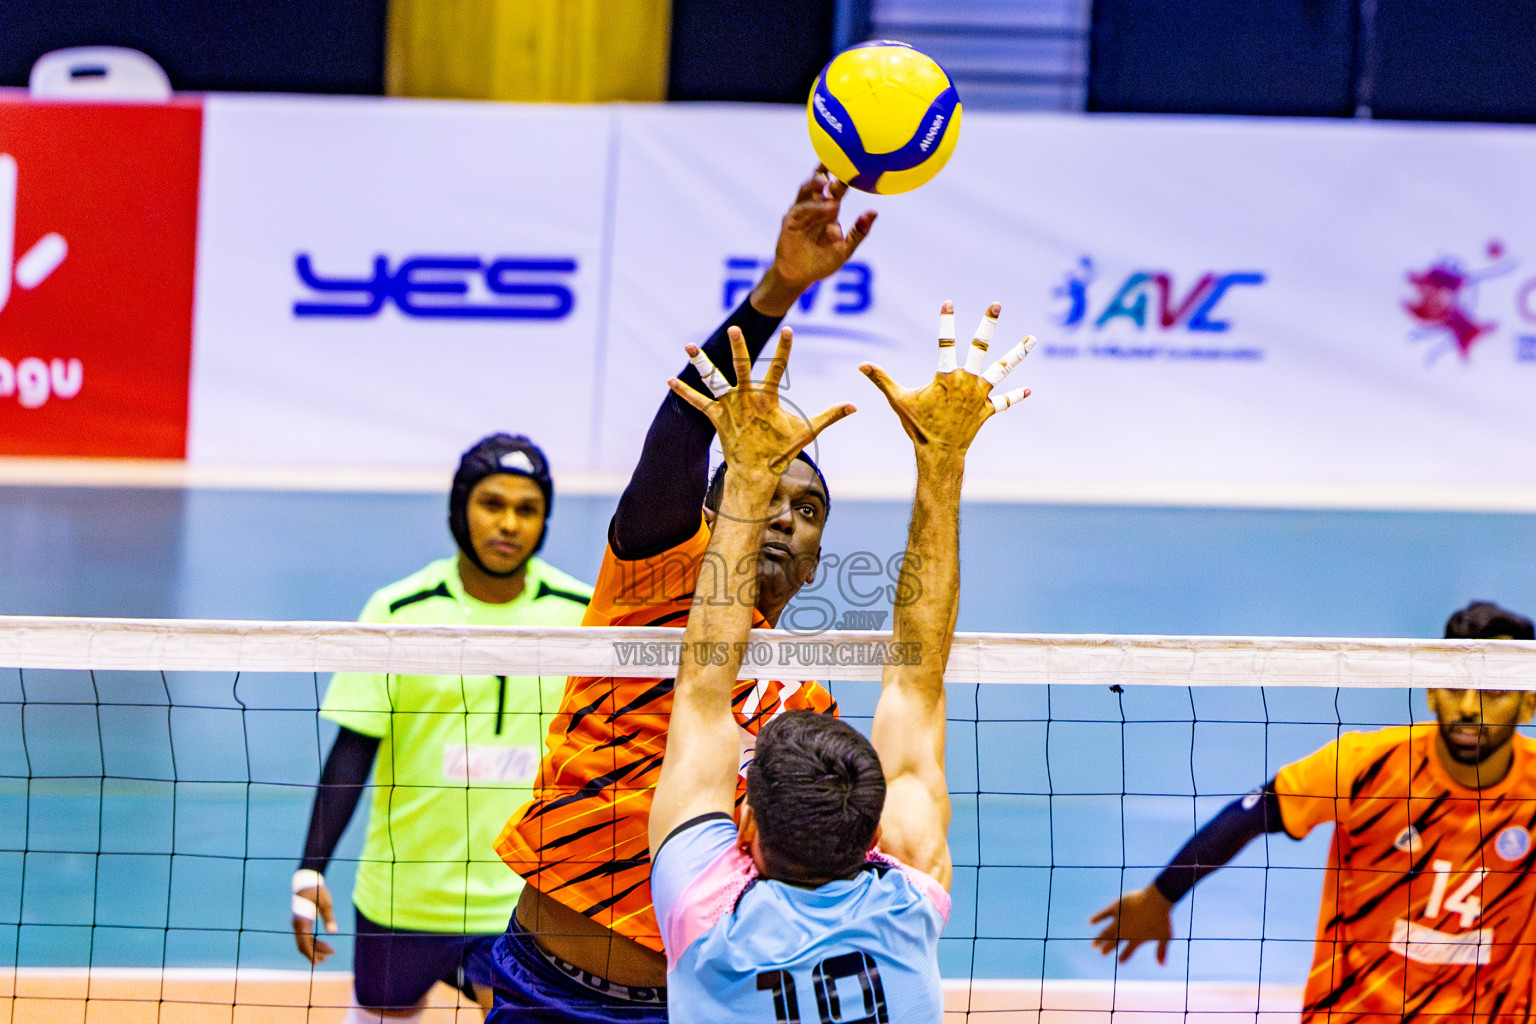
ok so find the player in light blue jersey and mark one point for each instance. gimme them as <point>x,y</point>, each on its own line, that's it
<point>826,899</point>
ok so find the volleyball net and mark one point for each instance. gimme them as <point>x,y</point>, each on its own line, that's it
<point>156,779</point>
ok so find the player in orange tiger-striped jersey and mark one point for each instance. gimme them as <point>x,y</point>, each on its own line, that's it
<point>584,944</point>
<point>1429,899</point>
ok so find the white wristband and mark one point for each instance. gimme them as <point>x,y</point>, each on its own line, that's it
<point>305,908</point>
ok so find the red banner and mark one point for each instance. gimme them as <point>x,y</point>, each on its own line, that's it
<point>98,243</point>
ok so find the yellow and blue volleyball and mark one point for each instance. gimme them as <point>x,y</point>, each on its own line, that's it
<point>884,117</point>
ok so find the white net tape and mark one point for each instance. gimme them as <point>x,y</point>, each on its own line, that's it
<point>35,642</point>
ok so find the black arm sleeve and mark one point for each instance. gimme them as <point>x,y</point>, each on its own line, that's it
<point>1222,838</point>
<point>660,507</point>
<point>341,784</point>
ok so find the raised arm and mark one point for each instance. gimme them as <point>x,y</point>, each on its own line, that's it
<point>660,507</point>
<point>908,733</point>
<point>698,772</point>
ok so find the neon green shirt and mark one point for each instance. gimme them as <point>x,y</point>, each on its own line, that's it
<point>457,756</point>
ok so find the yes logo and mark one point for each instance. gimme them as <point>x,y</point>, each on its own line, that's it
<point>30,379</point>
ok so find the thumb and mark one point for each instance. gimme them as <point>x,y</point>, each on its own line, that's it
<point>824,420</point>
<point>880,379</point>
<point>323,902</point>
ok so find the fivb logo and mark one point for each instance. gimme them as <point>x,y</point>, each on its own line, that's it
<point>31,380</point>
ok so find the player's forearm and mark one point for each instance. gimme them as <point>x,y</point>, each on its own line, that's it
<point>1219,840</point>
<point>720,619</point>
<point>925,612</point>
<point>908,729</point>
<point>341,785</point>
<point>660,507</point>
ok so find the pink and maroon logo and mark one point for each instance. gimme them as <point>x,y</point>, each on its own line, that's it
<point>1447,306</point>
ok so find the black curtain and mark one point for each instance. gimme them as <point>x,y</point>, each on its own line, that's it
<point>321,46</point>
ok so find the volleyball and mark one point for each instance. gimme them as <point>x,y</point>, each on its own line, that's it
<point>884,117</point>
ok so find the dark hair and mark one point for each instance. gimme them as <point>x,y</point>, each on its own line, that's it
<point>1484,620</point>
<point>716,492</point>
<point>816,789</point>
<point>499,453</point>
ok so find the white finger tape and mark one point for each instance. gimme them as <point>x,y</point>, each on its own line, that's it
<point>979,344</point>
<point>1007,401</point>
<point>713,380</point>
<point>304,909</point>
<point>946,342</point>
<point>1004,366</point>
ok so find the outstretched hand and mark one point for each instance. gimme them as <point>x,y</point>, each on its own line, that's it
<point>812,244</point>
<point>943,416</point>
<point>1135,918</point>
<point>756,433</point>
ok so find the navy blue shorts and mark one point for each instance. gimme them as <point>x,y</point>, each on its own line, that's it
<point>393,969</point>
<point>534,987</point>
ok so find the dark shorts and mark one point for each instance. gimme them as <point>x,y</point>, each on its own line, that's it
<point>533,987</point>
<point>393,969</point>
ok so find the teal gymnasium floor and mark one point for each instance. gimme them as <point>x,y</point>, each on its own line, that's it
<point>118,873</point>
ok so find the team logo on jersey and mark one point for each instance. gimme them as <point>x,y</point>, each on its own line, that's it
<point>1513,843</point>
<point>1409,840</point>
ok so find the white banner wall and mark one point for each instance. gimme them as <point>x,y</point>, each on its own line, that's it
<point>380,283</point>
<point>1218,302</point>
<point>1256,311</point>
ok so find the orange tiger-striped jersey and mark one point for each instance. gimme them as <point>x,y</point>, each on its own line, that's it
<point>1428,897</point>
<point>583,839</point>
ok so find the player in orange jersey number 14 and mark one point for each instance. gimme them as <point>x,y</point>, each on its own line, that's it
<point>1429,900</point>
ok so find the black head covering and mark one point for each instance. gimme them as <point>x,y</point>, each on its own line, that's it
<point>499,453</point>
<point>1484,620</point>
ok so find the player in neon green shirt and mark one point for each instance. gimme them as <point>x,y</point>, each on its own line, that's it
<point>450,756</point>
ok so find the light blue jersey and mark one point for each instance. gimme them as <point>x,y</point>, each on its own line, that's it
<point>747,950</point>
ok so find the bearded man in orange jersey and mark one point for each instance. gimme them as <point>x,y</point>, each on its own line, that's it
<point>584,944</point>
<point>1429,898</point>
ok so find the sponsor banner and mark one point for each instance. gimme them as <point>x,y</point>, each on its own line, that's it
<point>380,283</point>
<point>98,227</point>
<point>1220,302</point>
<point>1217,301</point>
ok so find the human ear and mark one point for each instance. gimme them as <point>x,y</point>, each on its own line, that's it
<point>746,829</point>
